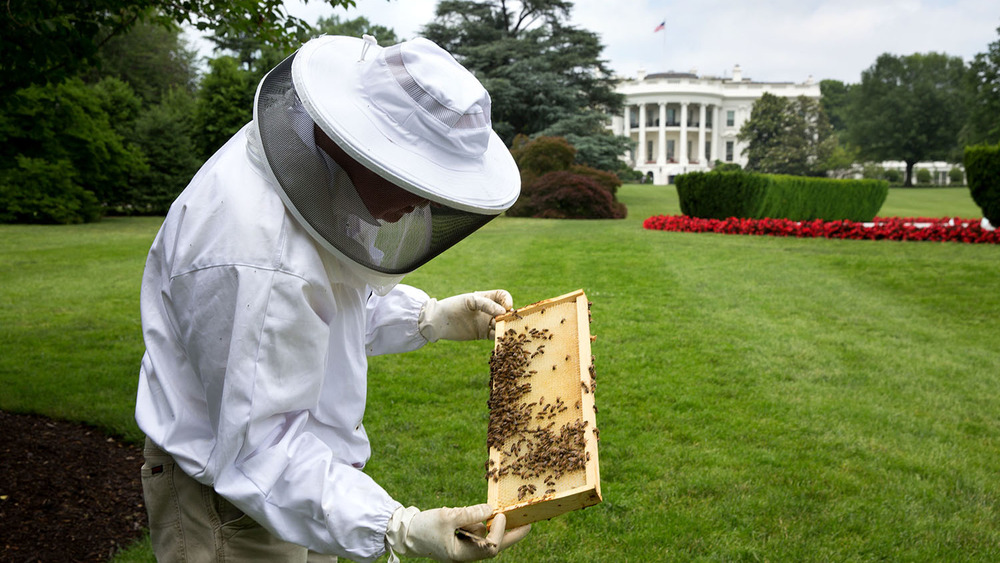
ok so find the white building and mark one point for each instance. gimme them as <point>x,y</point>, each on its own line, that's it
<point>682,122</point>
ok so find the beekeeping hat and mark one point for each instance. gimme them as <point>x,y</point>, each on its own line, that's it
<point>409,113</point>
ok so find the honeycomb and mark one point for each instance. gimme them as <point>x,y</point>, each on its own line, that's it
<point>542,434</point>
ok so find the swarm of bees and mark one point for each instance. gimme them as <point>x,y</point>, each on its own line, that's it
<point>529,444</point>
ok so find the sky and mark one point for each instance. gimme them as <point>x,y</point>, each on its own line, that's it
<point>771,40</point>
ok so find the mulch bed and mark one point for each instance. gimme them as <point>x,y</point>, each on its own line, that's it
<point>68,492</point>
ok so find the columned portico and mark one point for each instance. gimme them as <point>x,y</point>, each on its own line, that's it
<point>700,149</point>
<point>661,153</point>
<point>683,149</point>
<point>666,143</point>
<point>715,135</point>
<point>642,157</point>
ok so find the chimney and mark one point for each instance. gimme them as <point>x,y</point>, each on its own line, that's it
<point>641,75</point>
<point>737,74</point>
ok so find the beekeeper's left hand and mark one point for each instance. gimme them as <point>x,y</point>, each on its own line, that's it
<point>469,316</point>
<point>432,533</point>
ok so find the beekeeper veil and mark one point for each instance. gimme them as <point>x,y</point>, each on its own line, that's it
<point>419,125</point>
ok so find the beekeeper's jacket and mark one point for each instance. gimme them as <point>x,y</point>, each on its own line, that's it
<point>254,376</point>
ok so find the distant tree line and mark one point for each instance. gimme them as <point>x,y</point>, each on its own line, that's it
<point>909,108</point>
<point>107,111</point>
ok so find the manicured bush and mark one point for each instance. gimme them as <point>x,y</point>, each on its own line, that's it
<point>893,176</point>
<point>803,199</point>
<point>719,195</point>
<point>982,172</point>
<point>924,176</point>
<point>956,177</point>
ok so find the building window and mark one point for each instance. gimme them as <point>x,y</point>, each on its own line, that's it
<point>691,152</point>
<point>729,151</point>
<point>649,151</point>
<point>730,118</point>
<point>670,149</point>
<point>708,118</point>
<point>672,117</point>
<point>708,150</point>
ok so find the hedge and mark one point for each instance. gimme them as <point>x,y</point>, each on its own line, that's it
<point>982,172</point>
<point>724,194</point>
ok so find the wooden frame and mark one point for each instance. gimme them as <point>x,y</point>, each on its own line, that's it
<point>553,337</point>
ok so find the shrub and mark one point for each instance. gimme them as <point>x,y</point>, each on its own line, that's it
<point>804,199</point>
<point>42,127</point>
<point>565,195</point>
<point>540,156</point>
<point>982,172</point>
<point>607,180</point>
<point>720,195</point>
<point>38,191</point>
<point>550,182</point>
<point>721,166</point>
<point>924,176</point>
<point>956,177</point>
<point>893,176</point>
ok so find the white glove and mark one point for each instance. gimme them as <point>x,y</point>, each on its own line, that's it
<point>433,533</point>
<point>469,316</point>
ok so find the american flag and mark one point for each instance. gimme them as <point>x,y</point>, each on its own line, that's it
<point>662,26</point>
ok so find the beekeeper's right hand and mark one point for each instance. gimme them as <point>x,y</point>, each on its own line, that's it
<point>432,533</point>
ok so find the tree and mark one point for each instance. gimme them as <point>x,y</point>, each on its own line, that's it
<point>983,86</point>
<point>164,133</point>
<point>48,41</point>
<point>788,136</point>
<point>595,145</point>
<point>355,28</point>
<point>65,130</point>
<point>908,108</point>
<point>225,104</point>
<point>152,59</point>
<point>835,98</point>
<point>538,70</point>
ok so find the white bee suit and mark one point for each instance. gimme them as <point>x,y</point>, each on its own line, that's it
<point>254,378</point>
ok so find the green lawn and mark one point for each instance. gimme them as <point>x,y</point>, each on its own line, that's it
<point>760,398</point>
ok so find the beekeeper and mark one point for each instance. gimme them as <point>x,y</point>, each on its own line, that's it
<point>274,276</point>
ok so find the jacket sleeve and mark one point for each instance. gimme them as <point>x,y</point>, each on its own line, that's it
<point>392,321</point>
<point>260,340</point>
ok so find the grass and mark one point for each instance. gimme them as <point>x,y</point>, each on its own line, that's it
<point>760,398</point>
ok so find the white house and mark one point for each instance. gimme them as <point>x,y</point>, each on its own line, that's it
<point>681,122</point>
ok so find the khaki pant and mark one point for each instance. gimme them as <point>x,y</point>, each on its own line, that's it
<point>190,523</point>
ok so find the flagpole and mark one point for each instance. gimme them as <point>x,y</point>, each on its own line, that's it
<point>662,27</point>
<point>664,67</point>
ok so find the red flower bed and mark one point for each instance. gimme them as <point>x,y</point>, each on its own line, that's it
<point>881,228</point>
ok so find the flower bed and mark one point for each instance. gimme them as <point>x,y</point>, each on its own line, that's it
<point>949,229</point>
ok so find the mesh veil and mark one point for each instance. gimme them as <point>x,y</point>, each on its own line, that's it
<point>324,200</point>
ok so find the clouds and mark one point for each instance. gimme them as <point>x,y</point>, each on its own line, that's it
<point>772,40</point>
<point>789,41</point>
